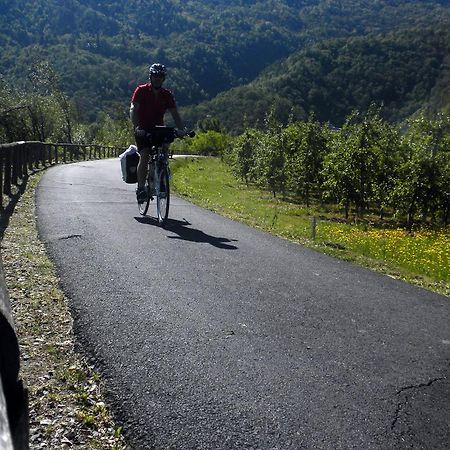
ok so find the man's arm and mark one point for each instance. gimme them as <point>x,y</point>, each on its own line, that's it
<point>134,107</point>
<point>176,118</point>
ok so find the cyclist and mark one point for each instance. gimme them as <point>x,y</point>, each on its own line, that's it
<point>149,103</point>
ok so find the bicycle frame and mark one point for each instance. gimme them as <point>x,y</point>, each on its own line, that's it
<point>157,183</point>
<point>158,167</point>
<point>158,160</point>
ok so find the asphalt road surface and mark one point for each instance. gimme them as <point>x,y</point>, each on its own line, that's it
<point>212,335</point>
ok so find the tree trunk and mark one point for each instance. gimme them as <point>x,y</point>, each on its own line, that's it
<point>410,219</point>
<point>347,208</point>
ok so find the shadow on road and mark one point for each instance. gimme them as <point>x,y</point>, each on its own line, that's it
<point>180,227</point>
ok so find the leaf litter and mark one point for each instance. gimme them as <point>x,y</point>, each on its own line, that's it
<point>67,408</point>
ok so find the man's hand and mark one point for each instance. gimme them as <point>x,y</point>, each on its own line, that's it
<point>139,132</point>
<point>183,132</point>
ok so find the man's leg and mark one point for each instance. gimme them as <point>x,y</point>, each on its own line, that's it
<point>144,154</point>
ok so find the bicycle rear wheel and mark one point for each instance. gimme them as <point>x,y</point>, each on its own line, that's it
<point>143,207</point>
<point>163,196</point>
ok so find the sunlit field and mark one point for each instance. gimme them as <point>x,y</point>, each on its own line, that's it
<point>424,252</point>
<point>422,257</point>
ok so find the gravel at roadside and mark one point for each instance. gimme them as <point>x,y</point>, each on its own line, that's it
<point>67,408</point>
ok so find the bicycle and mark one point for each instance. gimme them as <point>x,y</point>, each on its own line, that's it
<point>157,183</point>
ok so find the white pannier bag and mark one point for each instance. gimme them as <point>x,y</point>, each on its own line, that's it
<point>129,160</point>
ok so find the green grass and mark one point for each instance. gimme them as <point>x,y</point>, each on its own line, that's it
<point>421,258</point>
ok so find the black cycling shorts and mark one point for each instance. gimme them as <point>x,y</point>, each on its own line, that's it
<point>143,142</point>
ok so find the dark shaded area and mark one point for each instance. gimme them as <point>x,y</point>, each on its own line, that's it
<point>7,211</point>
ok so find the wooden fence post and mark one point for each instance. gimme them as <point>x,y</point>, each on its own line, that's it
<point>14,158</point>
<point>23,162</point>
<point>36,156</point>
<point>30,156</point>
<point>313,227</point>
<point>1,177</point>
<point>20,152</point>
<point>7,181</point>
<point>48,151</point>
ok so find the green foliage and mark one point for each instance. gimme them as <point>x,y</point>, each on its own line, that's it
<point>42,114</point>
<point>114,132</point>
<point>243,154</point>
<point>423,185</point>
<point>368,164</point>
<point>208,143</point>
<point>12,115</point>
<point>306,145</point>
<point>405,71</point>
<point>46,114</point>
<point>101,52</point>
<point>269,170</point>
<point>422,257</point>
<point>210,124</point>
<point>360,167</point>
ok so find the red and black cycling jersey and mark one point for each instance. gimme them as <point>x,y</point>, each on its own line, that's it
<point>152,108</point>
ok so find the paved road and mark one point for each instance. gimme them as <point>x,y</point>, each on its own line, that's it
<point>212,335</point>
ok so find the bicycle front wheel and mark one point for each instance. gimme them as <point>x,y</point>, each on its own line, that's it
<point>163,196</point>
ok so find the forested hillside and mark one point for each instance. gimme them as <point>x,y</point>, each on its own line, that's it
<point>100,49</point>
<point>405,71</point>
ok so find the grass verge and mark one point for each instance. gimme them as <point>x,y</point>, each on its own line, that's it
<point>422,258</point>
<point>66,405</point>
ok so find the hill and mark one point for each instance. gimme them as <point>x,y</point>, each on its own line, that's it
<point>101,49</point>
<point>405,71</point>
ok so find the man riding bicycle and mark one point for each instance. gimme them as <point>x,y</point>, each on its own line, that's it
<point>149,103</point>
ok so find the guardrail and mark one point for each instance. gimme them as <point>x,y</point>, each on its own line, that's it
<point>13,398</point>
<point>18,158</point>
<point>5,433</point>
<point>17,161</point>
